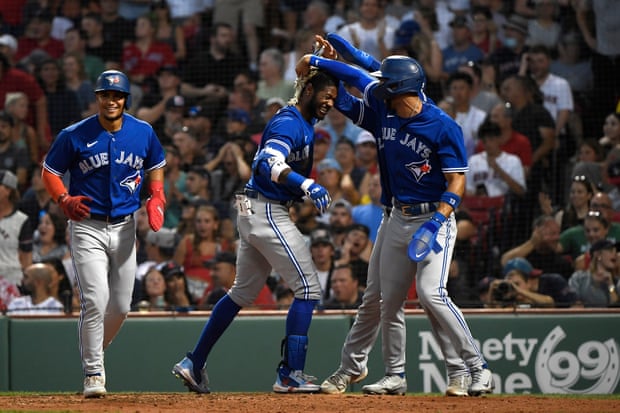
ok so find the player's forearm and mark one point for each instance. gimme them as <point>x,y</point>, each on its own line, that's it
<point>352,75</point>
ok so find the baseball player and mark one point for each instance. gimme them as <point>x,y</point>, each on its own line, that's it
<point>269,239</point>
<point>422,160</point>
<point>107,155</point>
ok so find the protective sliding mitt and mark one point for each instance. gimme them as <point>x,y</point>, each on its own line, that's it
<point>425,238</point>
<point>155,205</point>
<point>74,207</point>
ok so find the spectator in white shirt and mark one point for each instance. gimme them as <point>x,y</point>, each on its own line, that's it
<point>468,116</point>
<point>494,172</point>
<point>37,285</point>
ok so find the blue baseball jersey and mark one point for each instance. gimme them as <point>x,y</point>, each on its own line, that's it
<point>107,166</point>
<point>415,152</point>
<point>293,136</point>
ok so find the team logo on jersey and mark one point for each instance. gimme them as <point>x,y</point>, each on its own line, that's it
<point>132,182</point>
<point>419,169</point>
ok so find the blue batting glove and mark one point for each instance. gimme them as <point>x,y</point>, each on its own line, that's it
<point>319,195</point>
<point>425,238</point>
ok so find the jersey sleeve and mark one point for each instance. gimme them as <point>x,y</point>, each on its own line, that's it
<point>58,159</point>
<point>451,149</point>
<point>156,158</point>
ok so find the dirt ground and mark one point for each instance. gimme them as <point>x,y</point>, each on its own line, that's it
<point>265,402</point>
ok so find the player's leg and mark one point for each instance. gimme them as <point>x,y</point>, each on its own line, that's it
<point>252,273</point>
<point>281,243</point>
<point>459,378</point>
<point>122,253</point>
<point>431,279</point>
<point>90,262</point>
<point>396,272</point>
<point>365,329</point>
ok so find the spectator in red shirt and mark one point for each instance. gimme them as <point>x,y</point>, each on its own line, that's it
<point>223,272</point>
<point>511,141</point>
<point>143,57</point>
<point>38,36</point>
<point>15,80</point>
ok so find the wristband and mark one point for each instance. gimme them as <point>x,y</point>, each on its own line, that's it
<point>61,197</point>
<point>451,199</point>
<point>439,217</point>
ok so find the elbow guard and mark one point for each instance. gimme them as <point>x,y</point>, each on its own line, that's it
<point>272,164</point>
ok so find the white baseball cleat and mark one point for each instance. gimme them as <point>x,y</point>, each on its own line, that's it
<point>458,386</point>
<point>481,382</point>
<point>392,384</point>
<point>339,381</point>
<point>94,386</point>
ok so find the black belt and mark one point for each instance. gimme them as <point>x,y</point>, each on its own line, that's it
<point>415,209</point>
<point>254,194</point>
<point>108,219</point>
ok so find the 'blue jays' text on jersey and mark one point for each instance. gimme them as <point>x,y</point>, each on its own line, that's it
<point>418,150</point>
<point>107,166</point>
<point>293,136</point>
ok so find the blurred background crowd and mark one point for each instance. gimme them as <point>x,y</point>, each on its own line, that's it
<point>533,84</point>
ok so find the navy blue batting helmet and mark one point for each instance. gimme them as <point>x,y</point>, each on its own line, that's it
<point>399,75</point>
<point>114,80</point>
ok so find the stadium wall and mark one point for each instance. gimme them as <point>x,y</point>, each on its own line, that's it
<point>529,352</point>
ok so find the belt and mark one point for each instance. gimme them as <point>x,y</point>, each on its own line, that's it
<point>110,220</point>
<point>254,194</point>
<point>415,209</point>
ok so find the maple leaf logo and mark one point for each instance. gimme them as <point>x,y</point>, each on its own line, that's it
<point>419,169</point>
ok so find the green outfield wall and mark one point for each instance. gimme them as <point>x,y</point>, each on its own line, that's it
<point>567,352</point>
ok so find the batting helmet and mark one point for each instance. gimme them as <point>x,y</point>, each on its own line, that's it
<point>400,74</point>
<point>114,80</point>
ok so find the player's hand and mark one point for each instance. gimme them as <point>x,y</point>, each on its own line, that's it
<point>155,206</point>
<point>323,48</point>
<point>425,238</point>
<point>319,195</point>
<point>74,207</point>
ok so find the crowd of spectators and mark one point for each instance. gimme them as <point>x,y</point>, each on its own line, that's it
<point>531,83</point>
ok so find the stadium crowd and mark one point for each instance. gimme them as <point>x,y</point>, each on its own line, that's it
<point>532,83</point>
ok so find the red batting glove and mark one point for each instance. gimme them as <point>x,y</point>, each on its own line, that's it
<point>74,207</point>
<point>156,204</point>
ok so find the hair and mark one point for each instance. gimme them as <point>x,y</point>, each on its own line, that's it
<point>216,216</point>
<point>489,129</point>
<point>540,49</point>
<point>12,97</point>
<point>485,11</point>
<point>460,76</point>
<point>597,216</point>
<point>60,227</point>
<point>321,80</point>
<point>345,141</point>
<point>216,27</point>
<point>81,33</point>
<point>542,220</point>
<point>570,217</point>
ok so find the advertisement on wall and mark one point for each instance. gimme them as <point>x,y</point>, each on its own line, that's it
<point>529,354</point>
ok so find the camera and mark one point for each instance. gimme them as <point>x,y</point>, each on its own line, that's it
<point>504,292</point>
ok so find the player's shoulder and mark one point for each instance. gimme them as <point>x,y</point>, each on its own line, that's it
<point>131,121</point>
<point>86,123</point>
